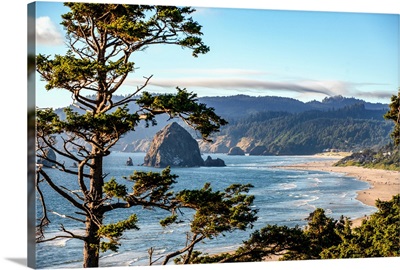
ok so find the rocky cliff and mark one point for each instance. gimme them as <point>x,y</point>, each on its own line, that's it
<point>173,146</point>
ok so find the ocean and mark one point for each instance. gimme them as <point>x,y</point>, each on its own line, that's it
<point>282,197</point>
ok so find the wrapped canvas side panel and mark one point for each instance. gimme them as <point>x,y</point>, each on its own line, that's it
<point>31,202</point>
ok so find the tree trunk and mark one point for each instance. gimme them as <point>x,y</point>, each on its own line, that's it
<point>91,249</point>
<point>91,246</point>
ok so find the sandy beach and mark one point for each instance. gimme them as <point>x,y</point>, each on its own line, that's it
<point>383,183</point>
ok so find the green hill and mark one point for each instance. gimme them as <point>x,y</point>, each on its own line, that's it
<point>351,128</point>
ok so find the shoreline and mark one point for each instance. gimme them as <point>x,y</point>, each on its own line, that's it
<point>384,184</point>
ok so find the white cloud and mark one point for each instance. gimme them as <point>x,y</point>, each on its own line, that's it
<point>299,88</point>
<point>31,30</point>
<point>245,84</point>
<point>47,33</point>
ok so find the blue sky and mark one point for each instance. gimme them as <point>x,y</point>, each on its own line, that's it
<point>300,54</point>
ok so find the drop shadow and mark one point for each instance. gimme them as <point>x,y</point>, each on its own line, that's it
<point>20,261</point>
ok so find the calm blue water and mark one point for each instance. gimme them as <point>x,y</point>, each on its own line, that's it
<point>283,197</point>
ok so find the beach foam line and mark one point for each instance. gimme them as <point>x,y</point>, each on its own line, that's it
<point>383,184</point>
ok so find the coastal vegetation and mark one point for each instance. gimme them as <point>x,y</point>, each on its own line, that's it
<point>386,158</point>
<point>394,114</point>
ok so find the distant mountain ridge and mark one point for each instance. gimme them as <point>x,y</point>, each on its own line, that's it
<point>241,105</point>
<point>270,121</point>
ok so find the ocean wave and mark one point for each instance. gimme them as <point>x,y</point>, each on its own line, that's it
<point>59,242</point>
<point>316,179</point>
<point>69,263</point>
<point>125,258</point>
<point>288,186</point>
<point>183,224</point>
<point>113,254</point>
<point>295,176</point>
<point>132,262</point>
<point>307,202</point>
<point>161,251</point>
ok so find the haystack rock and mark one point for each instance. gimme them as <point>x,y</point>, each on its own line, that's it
<point>173,146</point>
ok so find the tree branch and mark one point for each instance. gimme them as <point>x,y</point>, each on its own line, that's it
<point>70,236</point>
<point>73,193</point>
<point>195,240</point>
<point>128,98</point>
<point>44,221</point>
<point>131,201</point>
<point>60,191</point>
<point>66,216</point>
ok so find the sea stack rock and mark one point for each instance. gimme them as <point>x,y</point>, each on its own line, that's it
<point>129,162</point>
<point>52,158</point>
<point>210,162</point>
<point>173,146</point>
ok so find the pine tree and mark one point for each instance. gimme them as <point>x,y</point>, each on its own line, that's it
<point>101,39</point>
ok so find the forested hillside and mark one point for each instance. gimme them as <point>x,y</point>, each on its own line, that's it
<point>239,106</point>
<point>282,133</point>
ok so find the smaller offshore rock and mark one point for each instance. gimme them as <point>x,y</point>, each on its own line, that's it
<point>210,162</point>
<point>129,162</point>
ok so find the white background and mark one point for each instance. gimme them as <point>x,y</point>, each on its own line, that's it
<point>13,189</point>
